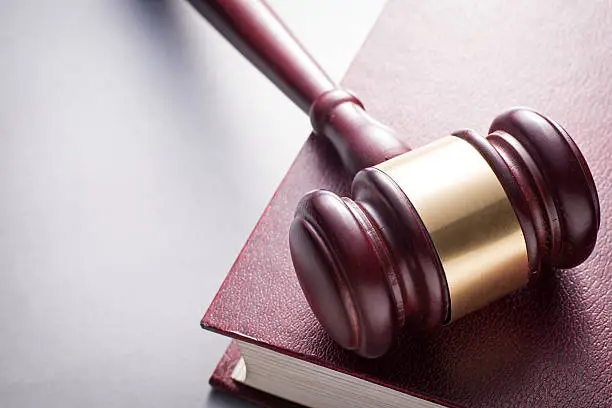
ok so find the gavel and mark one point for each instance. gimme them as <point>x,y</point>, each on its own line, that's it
<point>428,235</point>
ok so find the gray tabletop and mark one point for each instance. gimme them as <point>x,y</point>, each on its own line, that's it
<point>129,130</point>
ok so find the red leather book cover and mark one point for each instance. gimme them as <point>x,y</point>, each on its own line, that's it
<point>427,69</point>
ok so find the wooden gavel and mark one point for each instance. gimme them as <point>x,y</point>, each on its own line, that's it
<point>431,234</point>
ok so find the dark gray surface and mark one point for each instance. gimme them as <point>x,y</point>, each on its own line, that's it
<point>129,131</point>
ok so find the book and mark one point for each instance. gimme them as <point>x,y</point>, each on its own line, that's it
<point>429,68</point>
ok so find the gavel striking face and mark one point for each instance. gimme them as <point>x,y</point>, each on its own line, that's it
<point>431,234</point>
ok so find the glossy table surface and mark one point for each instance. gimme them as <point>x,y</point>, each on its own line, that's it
<point>127,129</point>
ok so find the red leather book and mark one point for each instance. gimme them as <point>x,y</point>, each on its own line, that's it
<point>427,69</point>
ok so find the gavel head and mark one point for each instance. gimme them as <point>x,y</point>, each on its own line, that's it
<point>443,230</point>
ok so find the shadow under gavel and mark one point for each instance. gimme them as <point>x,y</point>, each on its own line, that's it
<point>431,234</point>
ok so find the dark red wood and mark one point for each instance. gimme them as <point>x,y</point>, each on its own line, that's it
<point>343,264</point>
<point>360,140</point>
<point>556,182</point>
<point>253,28</point>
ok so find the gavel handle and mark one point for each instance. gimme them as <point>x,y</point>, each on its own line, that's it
<point>257,32</point>
<point>253,28</point>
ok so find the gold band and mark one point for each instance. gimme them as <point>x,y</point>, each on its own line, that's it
<point>470,220</point>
